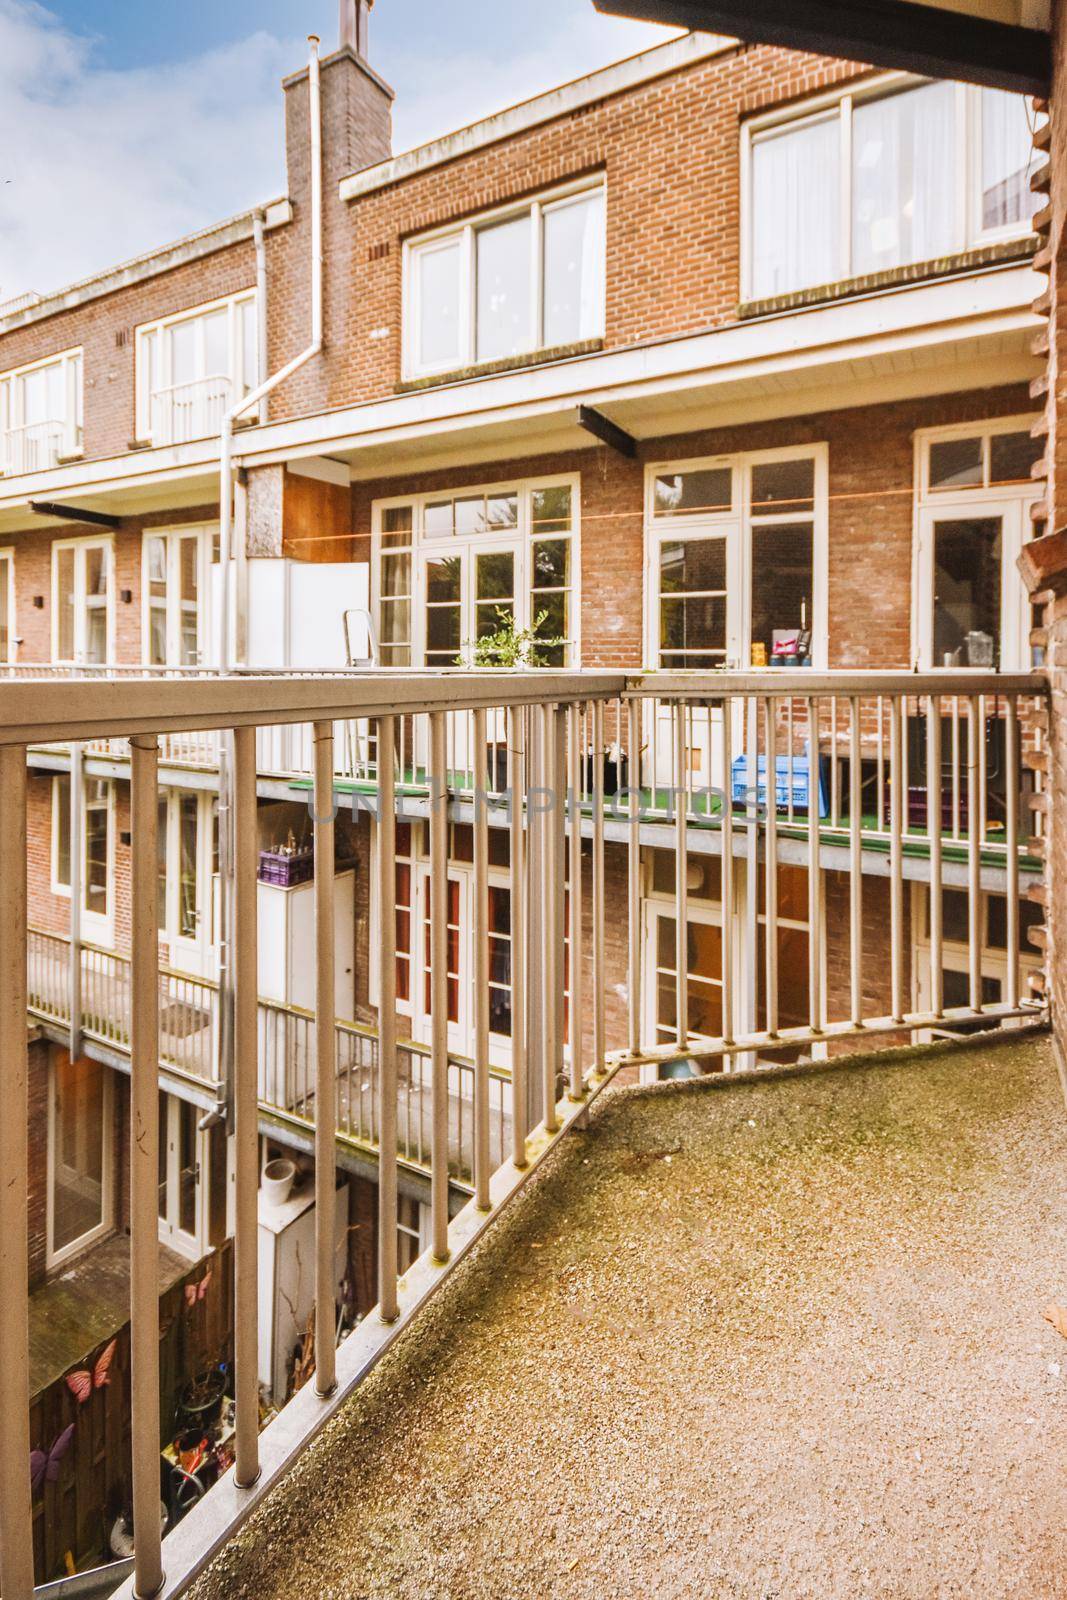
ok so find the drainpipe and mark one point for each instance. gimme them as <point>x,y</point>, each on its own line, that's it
<point>226,663</point>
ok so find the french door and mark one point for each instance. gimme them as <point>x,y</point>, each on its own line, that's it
<point>175,584</point>
<point>971,606</point>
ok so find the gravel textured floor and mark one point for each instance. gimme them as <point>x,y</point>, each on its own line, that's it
<point>772,1340</point>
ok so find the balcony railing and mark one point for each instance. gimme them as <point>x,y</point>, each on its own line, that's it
<point>190,410</point>
<point>558,755</point>
<point>35,446</point>
<point>188,1043</point>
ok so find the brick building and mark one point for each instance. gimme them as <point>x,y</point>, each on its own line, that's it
<point>720,344</point>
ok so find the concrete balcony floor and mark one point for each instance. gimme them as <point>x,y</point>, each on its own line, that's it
<point>761,1339</point>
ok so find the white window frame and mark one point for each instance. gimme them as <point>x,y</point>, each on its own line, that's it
<point>521,538</point>
<point>738,523</point>
<point>172,538</point>
<point>840,103</point>
<point>54,1257</point>
<point>240,381</point>
<point>99,924</point>
<point>965,502</point>
<point>12,409</point>
<point>466,234</point>
<point>657,902</point>
<point>7,555</point>
<point>105,542</point>
<point>460,1032</point>
<point>188,953</point>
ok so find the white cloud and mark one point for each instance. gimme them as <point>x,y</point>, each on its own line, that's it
<point>98,165</point>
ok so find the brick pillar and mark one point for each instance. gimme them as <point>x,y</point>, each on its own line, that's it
<point>356,133</point>
<point>1044,562</point>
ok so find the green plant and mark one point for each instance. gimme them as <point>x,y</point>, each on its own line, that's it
<point>508,646</point>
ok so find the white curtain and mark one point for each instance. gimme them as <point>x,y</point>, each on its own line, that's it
<point>795,230</point>
<point>903,179</point>
<point>574,270</point>
<point>1007,155</point>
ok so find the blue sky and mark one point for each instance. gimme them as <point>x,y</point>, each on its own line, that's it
<point>126,123</point>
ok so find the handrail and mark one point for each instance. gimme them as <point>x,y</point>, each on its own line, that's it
<point>46,712</point>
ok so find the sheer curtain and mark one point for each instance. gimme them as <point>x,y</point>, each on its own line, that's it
<point>1007,156</point>
<point>574,269</point>
<point>796,235</point>
<point>903,172</point>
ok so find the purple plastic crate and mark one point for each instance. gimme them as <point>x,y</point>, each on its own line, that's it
<point>286,870</point>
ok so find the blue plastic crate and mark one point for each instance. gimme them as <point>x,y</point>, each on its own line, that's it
<point>783,767</point>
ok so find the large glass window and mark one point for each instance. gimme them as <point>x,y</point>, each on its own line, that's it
<point>96,841</point>
<point>41,413</point>
<point>192,367</point>
<point>975,486</point>
<point>733,546</point>
<point>175,563</point>
<point>81,601</point>
<point>529,279</point>
<point>454,568</point>
<point>883,177</point>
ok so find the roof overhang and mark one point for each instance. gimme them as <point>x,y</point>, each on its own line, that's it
<point>1002,43</point>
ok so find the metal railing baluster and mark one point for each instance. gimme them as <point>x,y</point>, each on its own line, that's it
<point>385,729</point>
<point>246,1109</point>
<point>325,1067</point>
<point>144,1163</point>
<point>16,1515</point>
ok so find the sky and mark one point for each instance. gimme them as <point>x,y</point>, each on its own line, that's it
<point>125,124</point>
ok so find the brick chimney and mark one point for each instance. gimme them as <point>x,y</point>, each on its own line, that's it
<point>357,108</point>
<point>355,19</point>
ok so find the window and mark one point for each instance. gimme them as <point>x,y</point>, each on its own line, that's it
<point>183,843</point>
<point>975,489</point>
<point>955,949</point>
<point>183,1166</point>
<point>79,1155</point>
<point>173,585</point>
<point>192,367</point>
<point>96,845</point>
<point>452,569</point>
<point>529,278</point>
<point>82,621</point>
<point>41,413</point>
<point>737,551</point>
<point>884,175</point>
<point>8,647</point>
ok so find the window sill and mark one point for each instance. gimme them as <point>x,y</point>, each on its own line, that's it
<point>487,369</point>
<point>1020,249</point>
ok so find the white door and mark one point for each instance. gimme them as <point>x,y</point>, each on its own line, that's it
<point>182,1177</point>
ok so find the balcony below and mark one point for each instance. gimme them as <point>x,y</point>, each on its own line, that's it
<point>775,1337</point>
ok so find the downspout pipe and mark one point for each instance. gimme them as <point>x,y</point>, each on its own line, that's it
<point>226,630</point>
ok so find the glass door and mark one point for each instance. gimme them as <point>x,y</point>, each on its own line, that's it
<point>972,604</point>
<point>181,1192</point>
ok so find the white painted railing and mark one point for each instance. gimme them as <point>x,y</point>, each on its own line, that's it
<point>35,446</point>
<point>190,410</point>
<point>558,755</point>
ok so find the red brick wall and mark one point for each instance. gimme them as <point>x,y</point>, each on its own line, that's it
<point>98,326</point>
<point>33,579</point>
<point>670,152</point>
<point>871,487</point>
